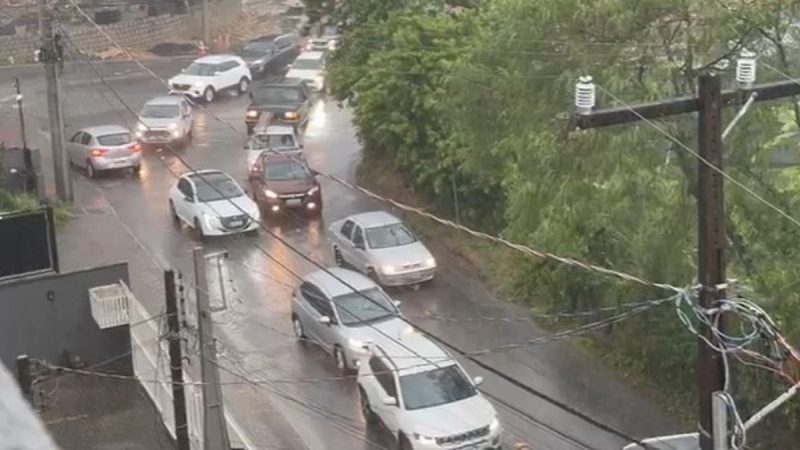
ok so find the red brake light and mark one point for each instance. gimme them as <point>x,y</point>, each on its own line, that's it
<point>98,152</point>
<point>135,148</point>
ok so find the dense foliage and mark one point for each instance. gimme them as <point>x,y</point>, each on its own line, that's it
<point>481,93</point>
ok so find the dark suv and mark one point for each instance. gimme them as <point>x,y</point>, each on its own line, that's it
<point>281,182</point>
<point>269,53</point>
<point>287,103</point>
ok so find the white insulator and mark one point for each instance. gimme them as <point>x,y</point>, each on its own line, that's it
<point>746,68</point>
<point>584,95</point>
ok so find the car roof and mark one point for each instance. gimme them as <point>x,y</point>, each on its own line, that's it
<point>281,158</point>
<point>199,173</point>
<point>278,129</point>
<point>412,352</point>
<point>266,38</point>
<point>374,219</point>
<point>215,59</point>
<point>165,100</point>
<point>328,282</point>
<point>102,130</point>
<point>311,55</point>
<point>286,82</point>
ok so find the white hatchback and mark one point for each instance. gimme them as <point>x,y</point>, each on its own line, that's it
<point>213,204</point>
<point>210,75</point>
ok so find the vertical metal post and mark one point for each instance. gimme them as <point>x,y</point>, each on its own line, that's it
<point>711,245</point>
<point>50,52</point>
<point>24,377</point>
<point>204,25</point>
<point>21,114</point>
<point>719,411</point>
<point>455,198</point>
<point>215,430</point>
<point>176,363</point>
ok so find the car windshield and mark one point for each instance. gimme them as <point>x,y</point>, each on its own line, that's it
<point>307,64</point>
<point>273,141</point>
<point>362,307</point>
<point>215,186</point>
<point>160,111</point>
<point>276,95</point>
<point>257,48</point>
<point>435,387</point>
<point>285,171</point>
<point>115,139</point>
<point>393,235</point>
<point>201,69</point>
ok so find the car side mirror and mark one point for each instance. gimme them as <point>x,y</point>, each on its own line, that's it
<point>389,401</point>
<point>359,245</point>
<point>188,199</point>
<point>325,320</point>
<point>397,303</point>
<point>288,66</point>
<point>477,381</point>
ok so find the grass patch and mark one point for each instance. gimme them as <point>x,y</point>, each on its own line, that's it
<point>27,202</point>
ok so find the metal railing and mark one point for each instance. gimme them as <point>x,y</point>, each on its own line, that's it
<point>109,304</point>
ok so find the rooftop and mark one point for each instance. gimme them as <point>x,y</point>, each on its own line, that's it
<point>374,219</point>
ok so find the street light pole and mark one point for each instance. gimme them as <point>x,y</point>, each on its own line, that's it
<point>21,114</point>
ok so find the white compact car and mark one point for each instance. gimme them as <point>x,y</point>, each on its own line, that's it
<point>213,204</point>
<point>102,148</point>
<point>210,75</point>
<point>424,396</point>
<point>309,66</point>
<point>164,120</point>
<point>381,246</point>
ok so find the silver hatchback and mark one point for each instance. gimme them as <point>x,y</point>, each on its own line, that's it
<point>104,147</point>
<point>344,312</point>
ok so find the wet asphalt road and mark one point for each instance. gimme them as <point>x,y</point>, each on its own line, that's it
<point>255,332</point>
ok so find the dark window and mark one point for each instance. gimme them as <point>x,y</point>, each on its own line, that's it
<point>214,186</point>
<point>115,139</point>
<point>185,188</point>
<point>202,69</point>
<point>286,171</point>
<point>86,138</point>
<point>384,376</point>
<point>347,229</point>
<point>435,387</point>
<point>317,300</point>
<point>364,307</point>
<point>393,235</point>
<point>76,138</point>
<point>358,237</point>
<point>160,111</point>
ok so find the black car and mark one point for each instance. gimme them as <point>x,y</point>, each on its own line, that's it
<point>269,53</point>
<point>287,102</point>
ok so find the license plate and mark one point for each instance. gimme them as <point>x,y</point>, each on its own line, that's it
<point>293,202</point>
<point>236,223</point>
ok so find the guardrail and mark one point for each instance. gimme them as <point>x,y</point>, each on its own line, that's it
<point>109,304</point>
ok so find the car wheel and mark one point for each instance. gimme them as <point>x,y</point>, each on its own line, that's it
<point>198,230</point>
<point>341,360</point>
<point>297,326</point>
<point>366,409</point>
<point>337,256</point>
<point>136,170</point>
<point>173,213</point>
<point>251,233</point>
<point>244,84</point>
<point>90,170</point>
<point>404,443</point>
<point>208,94</point>
<point>373,275</point>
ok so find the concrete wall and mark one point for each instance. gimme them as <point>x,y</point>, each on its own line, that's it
<point>49,316</point>
<point>141,34</point>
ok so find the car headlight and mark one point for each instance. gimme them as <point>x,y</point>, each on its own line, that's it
<point>291,115</point>
<point>141,127</point>
<point>320,80</point>
<point>210,220</point>
<point>430,262</point>
<point>172,126</point>
<point>313,190</point>
<point>388,269</point>
<point>252,114</point>
<point>424,439</point>
<point>257,62</point>
<point>356,345</point>
<point>270,193</point>
<point>198,84</point>
<point>494,426</point>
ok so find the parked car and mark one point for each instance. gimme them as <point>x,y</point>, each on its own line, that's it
<point>269,53</point>
<point>332,35</point>
<point>424,397</point>
<point>309,66</point>
<point>165,120</point>
<point>343,311</point>
<point>316,45</point>
<point>275,138</point>
<point>287,102</point>
<point>105,147</point>
<point>282,182</point>
<point>213,204</point>
<point>208,76</point>
<point>381,246</point>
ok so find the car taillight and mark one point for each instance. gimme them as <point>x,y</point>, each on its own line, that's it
<point>135,148</point>
<point>98,152</point>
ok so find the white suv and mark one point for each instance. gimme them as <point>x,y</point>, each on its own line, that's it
<point>428,402</point>
<point>209,75</point>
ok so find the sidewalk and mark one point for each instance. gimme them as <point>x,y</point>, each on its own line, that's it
<point>94,235</point>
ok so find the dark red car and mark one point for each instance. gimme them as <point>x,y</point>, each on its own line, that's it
<point>282,182</point>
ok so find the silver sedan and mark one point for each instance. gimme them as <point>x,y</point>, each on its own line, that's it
<point>380,245</point>
<point>104,147</point>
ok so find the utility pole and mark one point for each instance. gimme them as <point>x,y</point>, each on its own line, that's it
<point>215,430</point>
<point>710,200</point>
<point>51,53</point>
<point>176,363</point>
<point>21,114</point>
<point>720,426</point>
<point>204,25</point>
